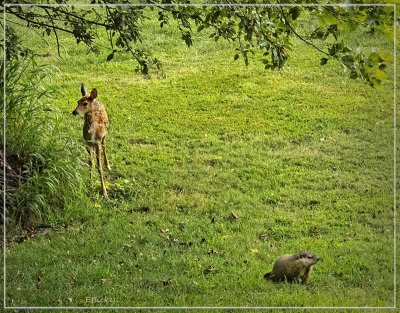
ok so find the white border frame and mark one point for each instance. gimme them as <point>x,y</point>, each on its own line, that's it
<point>394,5</point>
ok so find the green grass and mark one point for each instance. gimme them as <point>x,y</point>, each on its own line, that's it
<point>303,157</point>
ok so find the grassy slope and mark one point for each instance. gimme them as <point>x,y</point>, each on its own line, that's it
<point>303,157</point>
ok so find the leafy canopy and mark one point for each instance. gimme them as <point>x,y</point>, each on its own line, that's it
<point>260,28</point>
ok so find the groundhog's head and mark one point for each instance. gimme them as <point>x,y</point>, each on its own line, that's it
<point>311,258</point>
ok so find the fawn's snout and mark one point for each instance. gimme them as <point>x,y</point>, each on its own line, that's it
<point>74,112</point>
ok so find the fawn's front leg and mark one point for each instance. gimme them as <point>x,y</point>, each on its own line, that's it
<point>100,168</point>
<point>90,149</point>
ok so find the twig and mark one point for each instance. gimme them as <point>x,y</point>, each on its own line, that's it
<point>41,24</point>
<point>55,32</point>
<point>80,18</point>
<point>123,37</point>
<point>300,37</point>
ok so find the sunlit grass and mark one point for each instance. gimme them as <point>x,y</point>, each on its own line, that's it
<point>303,157</point>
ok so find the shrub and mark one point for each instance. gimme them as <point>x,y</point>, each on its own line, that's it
<point>43,167</point>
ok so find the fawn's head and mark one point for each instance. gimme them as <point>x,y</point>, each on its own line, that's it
<point>86,103</point>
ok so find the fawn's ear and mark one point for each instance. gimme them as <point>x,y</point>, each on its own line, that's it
<point>93,94</point>
<point>83,89</point>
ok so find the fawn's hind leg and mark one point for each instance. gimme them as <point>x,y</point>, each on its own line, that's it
<point>100,168</point>
<point>103,143</point>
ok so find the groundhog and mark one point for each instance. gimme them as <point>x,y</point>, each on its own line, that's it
<point>292,268</point>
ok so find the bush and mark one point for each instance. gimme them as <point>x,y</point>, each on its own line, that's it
<point>43,167</point>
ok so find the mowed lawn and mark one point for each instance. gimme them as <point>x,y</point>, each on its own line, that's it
<point>218,169</point>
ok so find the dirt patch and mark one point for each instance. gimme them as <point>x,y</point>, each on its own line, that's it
<point>30,232</point>
<point>142,142</point>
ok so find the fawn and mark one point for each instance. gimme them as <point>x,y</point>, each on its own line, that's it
<point>94,130</point>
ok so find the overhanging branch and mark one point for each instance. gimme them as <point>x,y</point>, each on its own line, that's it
<point>301,37</point>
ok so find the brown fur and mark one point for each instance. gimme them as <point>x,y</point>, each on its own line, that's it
<point>293,268</point>
<point>94,130</point>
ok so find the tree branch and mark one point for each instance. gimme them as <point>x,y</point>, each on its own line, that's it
<point>55,32</point>
<point>300,37</point>
<point>82,19</point>
<point>128,47</point>
<point>22,17</point>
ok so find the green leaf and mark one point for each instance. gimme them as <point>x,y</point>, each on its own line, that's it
<point>353,74</point>
<point>346,49</point>
<point>374,58</point>
<point>381,75</point>
<point>326,19</point>
<point>348,60</point>
<point>385,56</point>
<point>294,12</point>
<point>382,66</point>
<point>187,38</point>
<point>319,33</point>
<point>388,31</point>
<point>110,56</point>
<point>186,23</point>
<point>119,42</point>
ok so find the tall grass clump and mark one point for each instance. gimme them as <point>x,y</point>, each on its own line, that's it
<point>43,169</point>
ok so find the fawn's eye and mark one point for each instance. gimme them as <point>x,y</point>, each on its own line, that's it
<point>85,103</point>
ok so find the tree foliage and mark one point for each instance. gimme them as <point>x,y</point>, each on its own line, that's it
<point>266,28</point>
